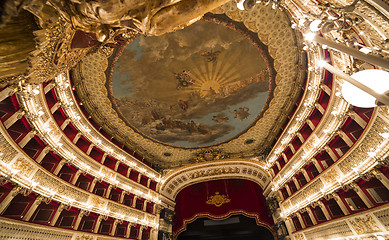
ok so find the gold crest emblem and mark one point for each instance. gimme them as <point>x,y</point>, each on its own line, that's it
<point>218,199</point>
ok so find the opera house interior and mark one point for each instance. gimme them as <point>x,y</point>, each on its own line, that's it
<point>103,134</point>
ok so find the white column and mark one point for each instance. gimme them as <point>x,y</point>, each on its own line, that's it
<point>310,124</point>
<point>134,201</point>
<point>97,225</point>
<point>92,185</point>
<point>324,209</point>
<point>340,203</point>
<point>313,219</point>
<point>358,119</point>
<point>278,165</point>
<point>320,108</point>
<point>122,195</point>
<point>57,214</point>
<point>362,195</point>
<point>59,167</point>
<point>154,234</point>
<point>32,209</point>
<point>103,158</point>
<point>27,138</point>
<point>117,166</point>
<point>300,137</point>
<point>42,154</point>
<point>128,231</point>
<point>301,220</point>
<point>76,176</point>
<point>55,107</point>
<point>331,153</point>
<point>305,174</point>
<point>65,123</point>
<point>317,165</point>
<point>108,191</point>
<point>9,91</point>
<point>90,148</point>
<point>292,148</point>
<point>145,205</point>
<point>148,182</point>
<point>281,195</point>
<point>7,200</point>
<point>15,117</point>
<point>139,177</point>
<point>345,138</point>
<point>78,220</point>
<point>380,176</point>
<point>288,190</point>
<point>128,172</point>
<point>49,87</point>
<point>113,230</point>
<point>289,225</point>
<point>325,89</point>
<point>296,183</point>
<point>284,157</point>
<point>78,135</point>
<point>140,232</point>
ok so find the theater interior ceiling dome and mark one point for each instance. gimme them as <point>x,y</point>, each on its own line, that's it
<point>222,87</point>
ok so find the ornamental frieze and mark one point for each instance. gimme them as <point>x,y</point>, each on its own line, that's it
<point>56,186</point>
<point>364,225</point>
<point>236,168</point>
<point>22,166</point>
<point>213,172</point>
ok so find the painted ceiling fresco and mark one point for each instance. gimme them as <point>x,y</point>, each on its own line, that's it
<point>195,87</point>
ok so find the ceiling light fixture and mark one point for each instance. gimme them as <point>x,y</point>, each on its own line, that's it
<point>367,88</point>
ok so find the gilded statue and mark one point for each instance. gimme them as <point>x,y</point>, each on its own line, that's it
<point>102,17</point>
<point>59,33</point>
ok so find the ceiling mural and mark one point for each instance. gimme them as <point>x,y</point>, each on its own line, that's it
<point>199,86</point>
<point>178,98</point>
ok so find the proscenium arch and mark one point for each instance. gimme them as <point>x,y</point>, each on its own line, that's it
<point>175,181</point>
<point>243,197</point>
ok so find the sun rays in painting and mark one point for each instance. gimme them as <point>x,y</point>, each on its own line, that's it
<point>199,86</point>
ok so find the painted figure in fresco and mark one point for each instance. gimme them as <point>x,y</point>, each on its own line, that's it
<point>210,55</point>
<point>221,117</point>
<point>184,79</point>
<point>242,113</point>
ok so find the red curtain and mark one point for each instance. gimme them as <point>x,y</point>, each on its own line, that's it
<point>245,197</point>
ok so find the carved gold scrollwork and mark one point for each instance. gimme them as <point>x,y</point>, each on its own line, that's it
<point>299,236</point>
<point>218,199</point>
<point>364,225</point>
<point>23,166</point>
<point>84,237</point>
<point>213,172</point>
<point>210,155</point>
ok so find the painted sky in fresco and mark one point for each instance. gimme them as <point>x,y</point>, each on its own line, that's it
<point>195,87</point>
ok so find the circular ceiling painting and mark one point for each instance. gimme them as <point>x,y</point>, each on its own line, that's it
<point>199,86</point>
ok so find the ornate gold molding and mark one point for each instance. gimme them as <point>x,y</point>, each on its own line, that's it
<point>218,199</point>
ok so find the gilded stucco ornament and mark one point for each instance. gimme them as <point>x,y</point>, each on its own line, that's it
<point>218,199</point>
<point>210,155</point>
<point>364,225</point>
<point>109,18</point>
<point>102,20</point>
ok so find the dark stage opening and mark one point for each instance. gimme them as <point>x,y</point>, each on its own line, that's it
<point>234,227</point>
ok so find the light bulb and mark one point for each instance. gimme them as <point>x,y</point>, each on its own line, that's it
<point>375,79</point>
<point>314,26</point>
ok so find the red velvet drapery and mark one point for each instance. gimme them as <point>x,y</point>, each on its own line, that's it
<point>245,198</point>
